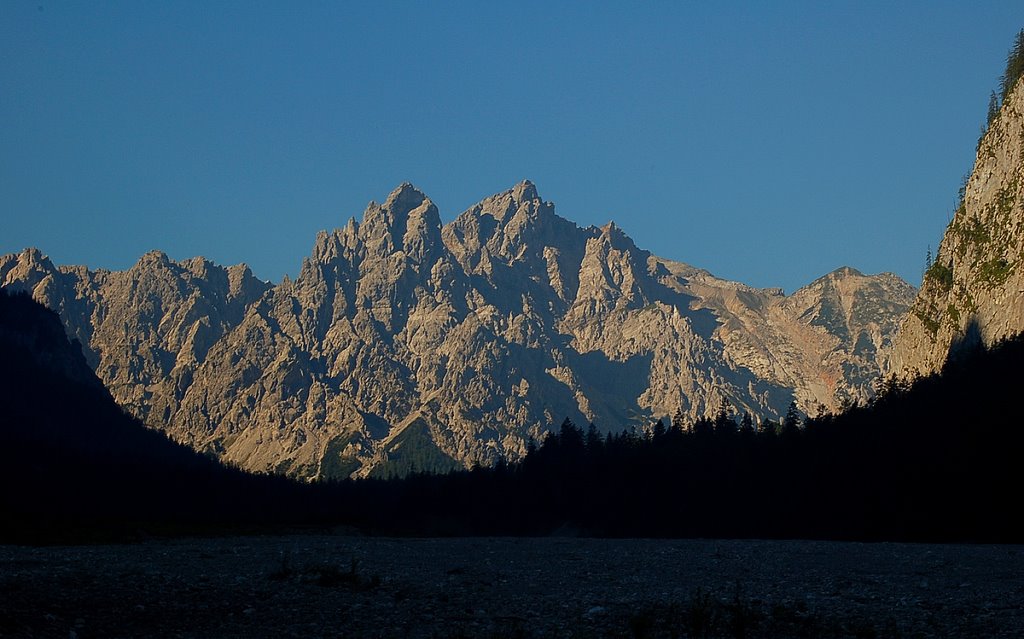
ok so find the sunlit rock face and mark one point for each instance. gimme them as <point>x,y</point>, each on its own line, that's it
<point>974,291</point>
<point>404,344</point>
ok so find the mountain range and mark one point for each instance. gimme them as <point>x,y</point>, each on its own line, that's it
<point>407,344</point>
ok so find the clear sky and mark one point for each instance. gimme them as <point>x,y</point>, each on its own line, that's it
<point>768,142</point>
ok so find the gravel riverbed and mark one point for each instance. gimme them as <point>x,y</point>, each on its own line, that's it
<point>342,586</point>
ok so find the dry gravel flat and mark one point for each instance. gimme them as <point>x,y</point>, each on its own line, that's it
<point>341,586</point>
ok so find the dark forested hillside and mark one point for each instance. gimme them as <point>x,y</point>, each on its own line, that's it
<point>72,463</point>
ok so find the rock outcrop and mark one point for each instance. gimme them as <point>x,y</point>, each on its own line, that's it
<point>974,290</point>
<point>406,344</point>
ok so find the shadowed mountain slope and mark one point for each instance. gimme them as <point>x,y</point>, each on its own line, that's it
<point>73,463</point>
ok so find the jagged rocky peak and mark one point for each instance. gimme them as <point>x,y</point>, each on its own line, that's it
<point>525,191</point>
<point>342,242</point>
<point>407,226</point>
<point>327,247</point>
<point>422,240</point>
<point>407,221</point>
<point>28,260</point>
<point>617,238</point>
<point>25,270</point>
<point>522,200</point>
<point>153,258</point>
<point>406,202</point>
<point>612,268</point>
<point>405,198</point>
<point>243,283</point>
<point>515,208</point>
<point>156,265</point>
<point>32,255</point>
<point>515,226</point>
<point>198,266</point>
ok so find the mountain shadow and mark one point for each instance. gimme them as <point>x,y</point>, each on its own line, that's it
<point>966,343</point>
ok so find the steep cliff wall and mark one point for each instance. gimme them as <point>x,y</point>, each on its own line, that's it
<point>975,288</point>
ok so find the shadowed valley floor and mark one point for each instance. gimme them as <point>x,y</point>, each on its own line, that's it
<point>333,586</point>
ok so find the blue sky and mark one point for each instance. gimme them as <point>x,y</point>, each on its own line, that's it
<point>767,142</point>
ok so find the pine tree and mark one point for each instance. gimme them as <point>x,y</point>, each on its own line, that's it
<point>570,437</point>
<point>993,109</point>
<point>746,425</point>
<point>703,427</point>
<point>961,193</point>
<point>791,423</point>
<point>594,442</point>
<point>679,420</point>
<point>1014,66</point>
<point>725,424</point>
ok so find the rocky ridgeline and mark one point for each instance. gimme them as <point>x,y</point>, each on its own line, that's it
<point>974,290</point>
<point>407,344</point>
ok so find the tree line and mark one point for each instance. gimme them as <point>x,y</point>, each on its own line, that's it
<point>933,459</point>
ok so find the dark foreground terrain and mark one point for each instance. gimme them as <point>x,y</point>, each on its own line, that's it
<point>336,586</point>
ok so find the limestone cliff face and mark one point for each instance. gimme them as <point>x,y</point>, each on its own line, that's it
<point>975,288</point>
<point>404,344</point>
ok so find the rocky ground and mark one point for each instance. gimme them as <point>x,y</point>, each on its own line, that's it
<point>341,586</point>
